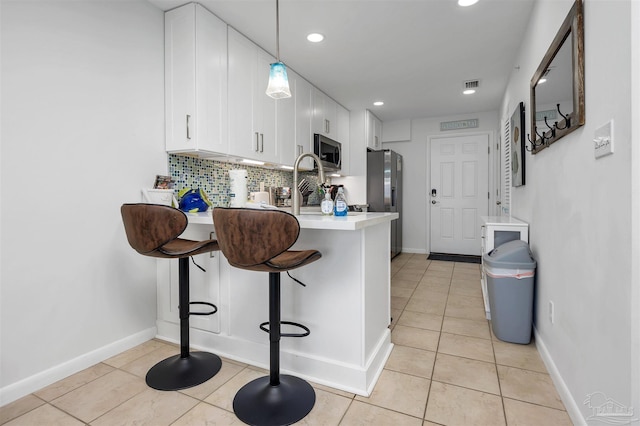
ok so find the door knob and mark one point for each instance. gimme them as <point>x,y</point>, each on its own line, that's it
<point>434,202</point>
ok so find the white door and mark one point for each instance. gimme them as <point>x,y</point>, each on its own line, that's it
<point>459,192</point>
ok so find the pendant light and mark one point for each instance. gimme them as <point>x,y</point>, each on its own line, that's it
<point>278,82</point>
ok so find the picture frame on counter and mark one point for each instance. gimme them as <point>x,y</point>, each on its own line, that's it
<point>163,182</point>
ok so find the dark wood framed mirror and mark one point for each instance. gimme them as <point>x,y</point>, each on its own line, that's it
<point>557,87</point>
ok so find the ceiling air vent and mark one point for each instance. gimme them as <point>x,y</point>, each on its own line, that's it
<point>472,84</point>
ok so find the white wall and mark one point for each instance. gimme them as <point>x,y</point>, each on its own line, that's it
<point>415,236</point>
<point>82,132</point>
<point>579,211</point>
<point>635,209</point>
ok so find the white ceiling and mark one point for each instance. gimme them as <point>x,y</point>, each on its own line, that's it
<point>412,54</point>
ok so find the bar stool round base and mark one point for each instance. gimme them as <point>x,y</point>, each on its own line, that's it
<point>175,373</point>
<point>259,403</point>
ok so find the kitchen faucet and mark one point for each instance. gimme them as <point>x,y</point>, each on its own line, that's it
<point>295,202</point>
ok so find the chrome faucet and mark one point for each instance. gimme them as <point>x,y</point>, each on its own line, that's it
<point>297,196</point>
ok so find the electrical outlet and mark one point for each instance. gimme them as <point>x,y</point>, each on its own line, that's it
<point>551,312</point>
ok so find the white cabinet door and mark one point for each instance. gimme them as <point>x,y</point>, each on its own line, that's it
<point>195,81</point>
<point>264,108</point>
<point>252,114</point>
<point>304,115</point>
<point>286,123</point>
<point>357,143</point>
<point>318,124</point>
<point>325,112</point>
<point>377,133</point>
<point>343,136</point>
<point>373,131</point>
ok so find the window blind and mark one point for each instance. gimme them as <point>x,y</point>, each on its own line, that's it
<point>506,169</point>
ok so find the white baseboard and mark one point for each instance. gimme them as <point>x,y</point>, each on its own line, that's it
<point>353,378</point>
<point>414,250</point>
<point>40,380</point>
<point>563,391</point>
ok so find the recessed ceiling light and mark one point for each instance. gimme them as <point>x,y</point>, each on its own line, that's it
<point>465,3</point>
<point>469,92</point>
<point>542,80</point>
<point>315,37</point>
<point>378,103</point>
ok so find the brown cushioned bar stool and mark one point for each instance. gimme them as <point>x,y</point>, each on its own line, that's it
<point>153,230</point>
<point>258,240</point>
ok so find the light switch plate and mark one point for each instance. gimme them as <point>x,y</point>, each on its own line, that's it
<point>603,140</point>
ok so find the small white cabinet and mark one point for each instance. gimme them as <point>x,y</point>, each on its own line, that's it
<point>195,81</point>
<point>203,286</point>
<point>252,114</point>
<point>495,231</point>
<point>325,114</point>
<point>373,131</point>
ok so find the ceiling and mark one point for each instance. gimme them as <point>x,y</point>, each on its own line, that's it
<point>414,55</point>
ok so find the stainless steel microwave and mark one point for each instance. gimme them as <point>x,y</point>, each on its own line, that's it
<point>329,152</point>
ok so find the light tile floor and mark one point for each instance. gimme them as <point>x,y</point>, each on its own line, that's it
<point>446,368</point>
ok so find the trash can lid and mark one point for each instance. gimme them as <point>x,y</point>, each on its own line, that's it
<point>513,254</point>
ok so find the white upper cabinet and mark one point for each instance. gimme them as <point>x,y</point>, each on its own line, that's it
<point>325,115</point>
<point>286,122</point>
<point>252,114</point>
<point>195,81</point>
<point>343,120</point>
<point>301,141</point>
<point>373,131</point>
<point>215,82</point>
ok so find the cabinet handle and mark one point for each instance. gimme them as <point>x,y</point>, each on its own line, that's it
<point>257,142</point>
<point>212,236</point>
<point>261,142</point>
<point>300,150</point>
<point>327,126</point>
<point>188,133</point>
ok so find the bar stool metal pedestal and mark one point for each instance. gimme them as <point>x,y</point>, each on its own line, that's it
<point>259,240</point>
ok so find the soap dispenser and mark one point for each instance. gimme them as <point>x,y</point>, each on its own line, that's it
<point>327,204</point>
<point>340,206</point>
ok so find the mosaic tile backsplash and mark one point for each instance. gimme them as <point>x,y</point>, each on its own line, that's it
<point>213,177</point>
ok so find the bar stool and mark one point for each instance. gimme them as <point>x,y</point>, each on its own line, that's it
<point>153,230</point>
<point>258,240</point>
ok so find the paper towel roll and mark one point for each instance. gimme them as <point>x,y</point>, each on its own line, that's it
<point>260,197</point>
<point>237,188</point>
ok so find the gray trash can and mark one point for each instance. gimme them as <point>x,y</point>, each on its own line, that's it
<point>510,270</point>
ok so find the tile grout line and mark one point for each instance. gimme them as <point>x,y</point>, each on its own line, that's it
<point>424,414</point>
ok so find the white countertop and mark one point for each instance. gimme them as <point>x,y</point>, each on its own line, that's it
<point>501,220</point>
<point>312,220</point>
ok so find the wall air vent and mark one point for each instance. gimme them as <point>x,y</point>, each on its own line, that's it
<point>472,84</point>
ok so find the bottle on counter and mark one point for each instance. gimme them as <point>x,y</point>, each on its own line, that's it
<point>326,206</point>
<point>340,205</point>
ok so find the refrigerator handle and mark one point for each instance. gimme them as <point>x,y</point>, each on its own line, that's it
<point>393,196</point>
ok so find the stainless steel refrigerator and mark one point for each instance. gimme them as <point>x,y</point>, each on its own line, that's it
<point>384,190</point>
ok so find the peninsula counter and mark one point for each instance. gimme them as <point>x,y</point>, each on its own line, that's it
<point>346,302</point>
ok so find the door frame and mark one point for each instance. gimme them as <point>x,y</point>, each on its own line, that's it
<point>491,135</point>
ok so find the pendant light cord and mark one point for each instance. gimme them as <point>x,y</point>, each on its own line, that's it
<point>277,31</point>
